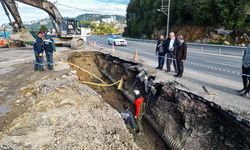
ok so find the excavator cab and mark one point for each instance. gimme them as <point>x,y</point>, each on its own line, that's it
<point>70,28</point>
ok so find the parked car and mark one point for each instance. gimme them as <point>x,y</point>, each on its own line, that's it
<point>117,40</point>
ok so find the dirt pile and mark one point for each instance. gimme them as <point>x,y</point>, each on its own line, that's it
<point>65,114</point>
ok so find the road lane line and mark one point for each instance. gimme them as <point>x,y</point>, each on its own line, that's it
<point>217,63</point>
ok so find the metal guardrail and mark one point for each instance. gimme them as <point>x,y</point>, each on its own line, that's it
<point>221,49</point>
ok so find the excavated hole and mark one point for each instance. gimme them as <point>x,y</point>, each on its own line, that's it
<point>182,119</point>
<point>150,140</point>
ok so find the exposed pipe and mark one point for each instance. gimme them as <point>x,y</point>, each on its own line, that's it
<point>173,144</point>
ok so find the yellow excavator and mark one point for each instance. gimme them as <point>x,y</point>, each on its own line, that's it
<point>68,30</point>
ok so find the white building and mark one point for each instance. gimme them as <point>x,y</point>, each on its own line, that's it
<point>111,19</point>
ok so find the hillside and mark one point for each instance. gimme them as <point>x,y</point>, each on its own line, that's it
<point>92,17</point>
<point>206,14</point>
<point>83,17</point>
<point>36,26</point>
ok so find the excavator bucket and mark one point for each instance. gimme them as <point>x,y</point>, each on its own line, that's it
<point>24,35</point>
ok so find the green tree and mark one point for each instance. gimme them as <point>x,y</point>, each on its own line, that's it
<point>43,28</point>
<point>143,18</point>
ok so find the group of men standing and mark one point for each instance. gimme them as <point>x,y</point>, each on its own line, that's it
<point>44,43</point>
<point>176,51</point>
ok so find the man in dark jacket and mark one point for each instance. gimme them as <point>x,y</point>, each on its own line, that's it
<point>181,55</point>
<point>49,48</point>
<point>160,52</point>
<point>246,71</point>
<point>38,50</point>
<point>170,48</point>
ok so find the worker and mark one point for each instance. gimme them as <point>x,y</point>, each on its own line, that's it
<point>38,50</point>
<point>139,109</point>
<point>127,116</point>
<point>49,47</point>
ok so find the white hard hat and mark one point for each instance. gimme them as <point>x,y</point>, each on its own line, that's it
<point>137,92</point>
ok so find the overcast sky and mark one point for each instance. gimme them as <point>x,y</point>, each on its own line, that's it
<point>29,13</point>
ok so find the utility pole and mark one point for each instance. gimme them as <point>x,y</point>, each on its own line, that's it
<point>165,9</point>
<point>4,30</point>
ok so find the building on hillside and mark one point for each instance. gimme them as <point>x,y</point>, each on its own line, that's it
<point>97,23</point>
<point>111,19</point>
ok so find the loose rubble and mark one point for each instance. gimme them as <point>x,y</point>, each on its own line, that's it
<point>65,114</point>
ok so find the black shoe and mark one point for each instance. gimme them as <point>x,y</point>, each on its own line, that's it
<point>240,91</point>
<point>168,70</point>
<point>177,76</point>
<point>244,94</point>
<point>157,68</point>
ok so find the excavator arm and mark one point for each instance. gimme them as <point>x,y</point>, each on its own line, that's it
<point>48,7</point>
<point>67,29</point>
<point>45,5</point>
<point>10,6</point>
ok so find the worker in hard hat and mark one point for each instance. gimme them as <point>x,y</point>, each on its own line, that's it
<point>38,50</point>
<point>139,109</point>
<point>127,116</point>
<point>49,47</point>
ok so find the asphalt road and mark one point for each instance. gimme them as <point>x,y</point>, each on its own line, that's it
<point>218,71</point>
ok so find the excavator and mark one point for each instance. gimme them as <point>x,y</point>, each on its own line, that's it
<point>67,29</point>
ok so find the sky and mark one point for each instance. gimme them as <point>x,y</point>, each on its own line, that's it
<point>28,13</point>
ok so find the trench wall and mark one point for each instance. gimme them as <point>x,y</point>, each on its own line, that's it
<point>183,120</point>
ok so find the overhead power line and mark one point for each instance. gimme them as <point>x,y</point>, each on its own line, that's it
<point>76,8</point>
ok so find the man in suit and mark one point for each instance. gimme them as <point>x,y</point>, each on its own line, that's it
<point>160,52</point>
<point>170,48</point>
<point>181,54</point>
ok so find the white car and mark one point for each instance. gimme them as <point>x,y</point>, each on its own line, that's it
<point>117,40</point>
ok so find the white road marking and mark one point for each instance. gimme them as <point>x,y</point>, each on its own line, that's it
<point>217,63</point>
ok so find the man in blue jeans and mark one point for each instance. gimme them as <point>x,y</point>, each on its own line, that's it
<point>49,47</point>
<point>38,51</point>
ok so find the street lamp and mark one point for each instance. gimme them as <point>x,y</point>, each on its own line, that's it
<point>167,14</point>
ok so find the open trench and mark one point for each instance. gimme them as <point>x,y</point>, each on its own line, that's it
<point>175,119</point>
<point>147,141</point>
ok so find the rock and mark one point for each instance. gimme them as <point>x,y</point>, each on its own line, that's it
<point>206,40</point>
<point>197,41</point>
<point>221,129</point>
<point>243,45</point>
<point>17,101</point>
<point>216,37</point>
<point>64,76</point>
<point>29,94</point>
<point>226,43</point>
<point>229,144</point>
<point>66,114</point>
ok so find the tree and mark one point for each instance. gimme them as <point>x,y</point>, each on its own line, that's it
<point>143,18</point>
<point>43,28</point>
